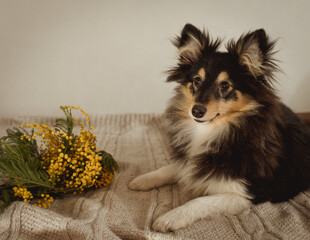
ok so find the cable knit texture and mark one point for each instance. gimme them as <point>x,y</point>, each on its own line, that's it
<point>139,144</point>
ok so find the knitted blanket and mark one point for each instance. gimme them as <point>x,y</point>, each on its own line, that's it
<point>139,144</point>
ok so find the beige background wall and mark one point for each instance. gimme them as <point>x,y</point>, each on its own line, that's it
<point>110,56</point>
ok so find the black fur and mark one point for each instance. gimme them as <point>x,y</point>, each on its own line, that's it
<point>268,146</point>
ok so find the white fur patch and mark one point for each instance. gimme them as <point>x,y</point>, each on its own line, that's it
<point>198,208</point>
<point>197,136</point>
<point>184,133</point>
<point>203,135</point>
<point>209,185</point>
<point>157,178</point>
<point>214,196</point>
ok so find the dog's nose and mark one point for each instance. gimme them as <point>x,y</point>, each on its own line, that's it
<point>198,111</point>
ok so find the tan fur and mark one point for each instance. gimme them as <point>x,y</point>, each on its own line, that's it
<point>242,104</point>
<point>223,76</point>
<point>202,74</point>
<point>212,108</point>
<point>230,110</point>
<point>188,100</point>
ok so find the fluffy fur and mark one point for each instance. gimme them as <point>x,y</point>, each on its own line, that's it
<point>235,144</point>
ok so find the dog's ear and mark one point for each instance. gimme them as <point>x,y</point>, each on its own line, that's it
<point>192,42</point>
<point>254,51</point>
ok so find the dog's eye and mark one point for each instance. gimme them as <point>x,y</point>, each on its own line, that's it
<point>224,85</point>
<point>197,81</point>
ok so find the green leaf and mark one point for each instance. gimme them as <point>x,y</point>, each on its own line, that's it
<point>6,196</point>
<point>3,204</point>
<point>108,161</point>
<point>20,161</point>
<point>65,125</point>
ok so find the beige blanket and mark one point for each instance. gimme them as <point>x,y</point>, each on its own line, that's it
<point>139,144</point>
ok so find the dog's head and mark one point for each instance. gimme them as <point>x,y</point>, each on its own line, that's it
<point>220,86</point>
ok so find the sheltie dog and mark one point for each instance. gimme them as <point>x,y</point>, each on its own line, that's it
<point>234,143</point>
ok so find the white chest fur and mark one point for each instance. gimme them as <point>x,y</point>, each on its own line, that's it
<point>209,184</point>
<point>203,134</point>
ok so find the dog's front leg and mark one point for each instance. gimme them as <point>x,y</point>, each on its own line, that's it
<point>157,178</point>
<point>198,208</point>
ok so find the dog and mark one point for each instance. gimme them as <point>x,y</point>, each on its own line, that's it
<point>234,143</point>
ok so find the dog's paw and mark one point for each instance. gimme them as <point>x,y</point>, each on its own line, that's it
<point>171,221</point>
<point>141,183</point>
